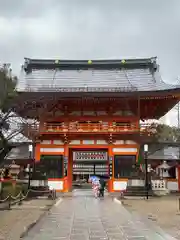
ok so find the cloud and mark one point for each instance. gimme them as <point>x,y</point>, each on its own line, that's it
<point>91,29</point>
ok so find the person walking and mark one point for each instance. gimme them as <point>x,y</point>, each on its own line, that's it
<point>102,187</point>
<point>96,187</point>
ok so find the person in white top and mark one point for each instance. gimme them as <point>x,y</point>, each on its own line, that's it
<point>96,187</point>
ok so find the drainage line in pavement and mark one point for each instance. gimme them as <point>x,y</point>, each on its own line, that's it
<point>32,225</point>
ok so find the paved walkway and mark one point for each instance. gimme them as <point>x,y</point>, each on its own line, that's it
<point>83,217</point>
<point>15,221</point>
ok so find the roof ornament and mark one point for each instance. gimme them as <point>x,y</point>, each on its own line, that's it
<point>123,61</point>
<point>154,67</point>
<point>27,61</point>
<point>89,62</point>
<point>153,59</point>
<point>57,61</point>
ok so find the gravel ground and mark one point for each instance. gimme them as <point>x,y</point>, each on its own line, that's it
<point>15,221</point>
<point>165,211</point>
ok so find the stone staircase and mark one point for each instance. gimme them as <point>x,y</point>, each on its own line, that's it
<point>136,184</point>
<point>139,191</point>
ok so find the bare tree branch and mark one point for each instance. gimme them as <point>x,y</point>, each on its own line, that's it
<point>11,125</point>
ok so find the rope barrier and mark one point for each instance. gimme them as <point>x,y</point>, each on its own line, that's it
<point>4,200</point>
<point>12,200</point>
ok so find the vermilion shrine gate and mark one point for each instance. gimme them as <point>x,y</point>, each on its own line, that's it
<point>89,115</point>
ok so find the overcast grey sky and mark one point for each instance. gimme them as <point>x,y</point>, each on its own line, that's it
<point>82,29</point>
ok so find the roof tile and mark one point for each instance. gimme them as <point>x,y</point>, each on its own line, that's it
<point>93,80</point>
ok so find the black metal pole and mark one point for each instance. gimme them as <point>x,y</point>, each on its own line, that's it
<point>29,179</point>
<point>33,158</point>
<point>146,175</point>
<point>29,176</point>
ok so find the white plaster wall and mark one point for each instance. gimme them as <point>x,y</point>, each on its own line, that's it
<point>172,186</point>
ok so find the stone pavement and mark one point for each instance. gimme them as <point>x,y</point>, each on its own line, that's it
<point>163,211</point>
<point>83,217</point>
<point>14,222</point>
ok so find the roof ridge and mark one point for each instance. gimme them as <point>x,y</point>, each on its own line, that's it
<point>98,63</point>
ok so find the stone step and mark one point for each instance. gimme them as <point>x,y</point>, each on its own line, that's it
<point>142,194</point>
<point>137,191</point>
<point>136,188</point>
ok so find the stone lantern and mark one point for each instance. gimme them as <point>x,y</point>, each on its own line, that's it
<point>163,170</point>
<point>14,170</point>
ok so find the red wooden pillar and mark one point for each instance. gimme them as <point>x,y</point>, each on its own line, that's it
<point>178,168</point>
<point>70,169</point>
<point>110,182</point>
<point>66,178</point>
<point>37,152</point>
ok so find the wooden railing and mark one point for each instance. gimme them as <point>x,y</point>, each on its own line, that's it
<point>90,128</point>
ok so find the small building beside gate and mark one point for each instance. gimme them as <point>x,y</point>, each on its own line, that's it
<point>166,164</point>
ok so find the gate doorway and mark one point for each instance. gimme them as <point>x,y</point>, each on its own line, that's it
<point>87,163</point>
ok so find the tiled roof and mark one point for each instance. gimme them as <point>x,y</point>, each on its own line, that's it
<point>102,76</point>
<point>21,152</point>
<point>169,153</point>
